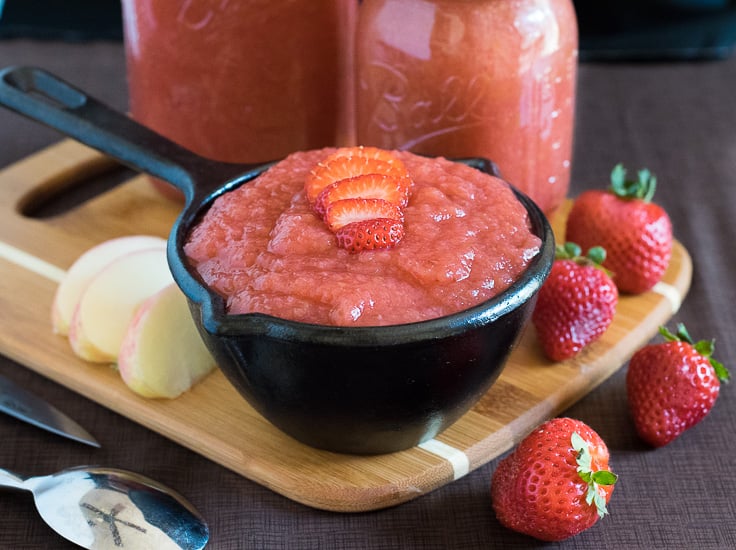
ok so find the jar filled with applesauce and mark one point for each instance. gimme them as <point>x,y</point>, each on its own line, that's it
<point>458,78</point>
<point>242,80</point>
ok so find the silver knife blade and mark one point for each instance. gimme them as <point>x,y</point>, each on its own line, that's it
<point>23,405</point>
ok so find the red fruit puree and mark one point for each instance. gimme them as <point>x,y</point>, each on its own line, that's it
<point>264,249</point>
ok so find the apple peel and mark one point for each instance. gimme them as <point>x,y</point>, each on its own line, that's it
<point>112,297</point>
<point>162,354</point>
<point>84,269</point>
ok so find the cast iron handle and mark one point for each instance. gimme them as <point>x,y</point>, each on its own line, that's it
<point>46,98</point>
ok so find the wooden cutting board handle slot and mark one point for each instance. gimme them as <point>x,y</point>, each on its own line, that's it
<point>56,197</point>
<point>34,180</point>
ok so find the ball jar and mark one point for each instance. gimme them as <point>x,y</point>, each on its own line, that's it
<point>242,80</point>
<point>491,78</point>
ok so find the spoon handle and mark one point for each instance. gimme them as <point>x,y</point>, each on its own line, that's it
<point>9,480</point>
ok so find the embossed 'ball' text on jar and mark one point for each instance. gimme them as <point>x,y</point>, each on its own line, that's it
<point>242,80</point>
<point>491,78</point>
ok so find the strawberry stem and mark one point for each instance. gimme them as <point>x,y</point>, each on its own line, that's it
<point>641,188</point>
<point>597,255</point>
<point>594,479</point>
<point>703,347</point>
<point>567,251</point>
<point>572,251</point>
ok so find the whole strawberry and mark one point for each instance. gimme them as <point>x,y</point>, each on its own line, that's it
<point>576,303</point>
<point>672,385</point>
<point>556,483</point>
<point>636,233</point>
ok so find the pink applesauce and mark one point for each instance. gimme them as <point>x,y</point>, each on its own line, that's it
<point>262,247</point>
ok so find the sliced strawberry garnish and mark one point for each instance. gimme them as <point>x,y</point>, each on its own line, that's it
<point>370,234</point>
<point>367,152</point>
<point>348,163</point>
<point>344,212</point>
<point>366,186</point>
<point>360,192</point>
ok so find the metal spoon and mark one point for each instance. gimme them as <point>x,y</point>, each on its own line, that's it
<point>106,508</point>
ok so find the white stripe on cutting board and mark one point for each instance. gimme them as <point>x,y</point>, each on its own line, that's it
<point>671,293</point>
<point>27,261</point>
<point>457,459</point>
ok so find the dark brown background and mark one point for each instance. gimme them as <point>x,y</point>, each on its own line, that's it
<point>678,119</point>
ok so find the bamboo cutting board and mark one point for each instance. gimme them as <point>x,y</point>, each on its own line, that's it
<point>212,419</point>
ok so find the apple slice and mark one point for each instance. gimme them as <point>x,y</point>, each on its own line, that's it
<point>85,267</point>
<point>162,354</point>
<point>108,304</point>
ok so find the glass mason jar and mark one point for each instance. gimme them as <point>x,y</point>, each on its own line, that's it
<point>242,80</point>
<point>458,78</point>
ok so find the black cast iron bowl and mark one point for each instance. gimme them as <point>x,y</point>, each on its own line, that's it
<point>345,389</point>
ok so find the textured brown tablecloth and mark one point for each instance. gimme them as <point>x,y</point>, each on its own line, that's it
<point>677,119</point>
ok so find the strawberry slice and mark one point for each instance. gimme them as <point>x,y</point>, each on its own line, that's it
<point>370,234</point>
<point>348,163</point>
<point>367,186</point>
<point>360,192</point>
<point>347,211</point>
<point>368,153</point>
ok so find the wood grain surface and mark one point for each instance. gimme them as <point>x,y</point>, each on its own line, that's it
<point>212,419</point>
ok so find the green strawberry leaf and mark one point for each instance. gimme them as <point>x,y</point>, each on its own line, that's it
<point>648,182</point>
<point>703,347</point>
<point>641,188</point>
<point>568,251</point>
<point>594,479</point>
<point>668,335</point>
<point>681,335</point>
<point>600,504</point>
<point>618,178</point>
<point>604,477</point>
<point>597,255</point>
<point>721,371</point>
<point>571,251</point>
